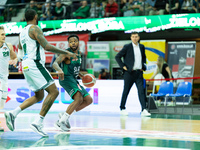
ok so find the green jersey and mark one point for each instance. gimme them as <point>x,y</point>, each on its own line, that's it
<point>73,68</point>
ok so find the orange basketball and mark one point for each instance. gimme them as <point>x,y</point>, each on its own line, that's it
<point>88,80</point>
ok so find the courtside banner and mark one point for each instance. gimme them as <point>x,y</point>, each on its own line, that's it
<point>153,49</point>
<point>56,40</point>
<point>98,57</point>
<point>181,58</point>
<point>106,96</point>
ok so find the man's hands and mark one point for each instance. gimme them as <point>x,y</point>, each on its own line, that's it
<point>61,74</point>
<point>125,68</point>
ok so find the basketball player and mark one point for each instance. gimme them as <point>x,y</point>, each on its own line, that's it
<point>68,73</point>
<point>7,56</point>
<point>31,50</point>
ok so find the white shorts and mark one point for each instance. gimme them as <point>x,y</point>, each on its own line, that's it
<point>36,75</point>
<point>4,87</point>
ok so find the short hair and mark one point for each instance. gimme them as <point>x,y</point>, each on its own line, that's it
<point>73,35</point>
<point>1,28</point>
<point>30,14</point>
<point>135,33</point>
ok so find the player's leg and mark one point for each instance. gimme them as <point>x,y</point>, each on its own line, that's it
<point>37,125</point>
<point>11,115</point>
<point>63,123</point>
<point>87,99</point>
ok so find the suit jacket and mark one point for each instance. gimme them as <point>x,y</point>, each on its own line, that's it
<point>129,58</point>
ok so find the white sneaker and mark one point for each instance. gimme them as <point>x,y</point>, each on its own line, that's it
<point>124,112</point>
<point>145,113</point>
<point>10,120</point>
<point>61,126</point>
<point>38,129</point>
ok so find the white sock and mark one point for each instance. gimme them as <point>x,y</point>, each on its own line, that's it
<point>64,117</point>
<point>16,111</point>
<point>39,120</point>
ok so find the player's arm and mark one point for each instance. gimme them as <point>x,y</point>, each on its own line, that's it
<point>20,53</point>
<point>36,33</point>
<point>56,66</point>
<point>13,55</point>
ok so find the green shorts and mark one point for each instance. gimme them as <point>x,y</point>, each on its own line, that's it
<point>71,86</point>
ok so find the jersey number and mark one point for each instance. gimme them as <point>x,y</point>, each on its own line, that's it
<point>5,54</point>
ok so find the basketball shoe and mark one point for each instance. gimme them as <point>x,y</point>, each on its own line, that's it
<point>67,122</point>
<point>145,113</point>
<point>38,129</point>
<point>10,120</point>
<point>124,112</point>
<point>61,126</point>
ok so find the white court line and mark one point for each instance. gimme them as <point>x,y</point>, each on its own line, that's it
<point>101,148</point>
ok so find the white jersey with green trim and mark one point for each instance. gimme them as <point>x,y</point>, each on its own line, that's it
<point>4,58</point>
<point>31,48</point>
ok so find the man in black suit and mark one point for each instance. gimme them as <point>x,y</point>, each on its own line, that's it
<point>133,66</point>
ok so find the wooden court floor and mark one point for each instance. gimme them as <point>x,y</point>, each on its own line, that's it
<point>106,131</point>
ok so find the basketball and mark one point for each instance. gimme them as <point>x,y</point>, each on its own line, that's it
<point>88,80</point>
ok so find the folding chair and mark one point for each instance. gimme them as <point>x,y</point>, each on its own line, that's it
<point>184,90</point>
<point>165,88</point>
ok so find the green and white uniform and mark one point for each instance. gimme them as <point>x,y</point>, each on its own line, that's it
<point>71,71</point>
<point>33,63</point>
<point>4,65</point>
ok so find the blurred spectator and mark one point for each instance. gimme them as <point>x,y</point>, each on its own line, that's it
<point>47,10</point>
<point>149,5</point>
<point>187,6</point>
<point>111,9</point>
<point>196,6</point>
<point>59,11</point>
<point>83,11</point>
<point>11,10</point>
<point>103,8</point>
<point>159,8</point>
<point>121,6</point>
<point>32,5</point>
<point>104,74</point>
<point>138,7</point>
<point>128,8</point>
<point>174,6</point>
<point>95,10</point>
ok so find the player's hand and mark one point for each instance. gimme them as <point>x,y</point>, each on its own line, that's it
<point>61,74</point>
<point>13,62</point>
<point>72,55</point>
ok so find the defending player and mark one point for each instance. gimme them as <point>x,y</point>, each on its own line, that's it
<point>67,73</point>
<point>7,56</point>
<point>32,44</point>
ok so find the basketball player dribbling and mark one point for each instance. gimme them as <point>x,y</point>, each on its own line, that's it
<point>31,50</point>
<point>7,56</point>
<point>68,73</point>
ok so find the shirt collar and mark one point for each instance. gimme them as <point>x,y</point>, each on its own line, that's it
<point>135,45</point>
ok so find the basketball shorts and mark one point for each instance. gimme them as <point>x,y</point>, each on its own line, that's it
<point>4,88</point>
<point>36,75</point>
<point>71,86</point>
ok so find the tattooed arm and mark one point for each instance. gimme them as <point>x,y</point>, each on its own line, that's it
<point>36,33</point>
<point>56,66</point>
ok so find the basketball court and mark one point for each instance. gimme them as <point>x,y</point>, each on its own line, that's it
<point>105,131</point>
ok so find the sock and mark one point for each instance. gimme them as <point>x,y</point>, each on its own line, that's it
<point>39,120</point>
<point>64,117</point>
<point>16,111</point>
